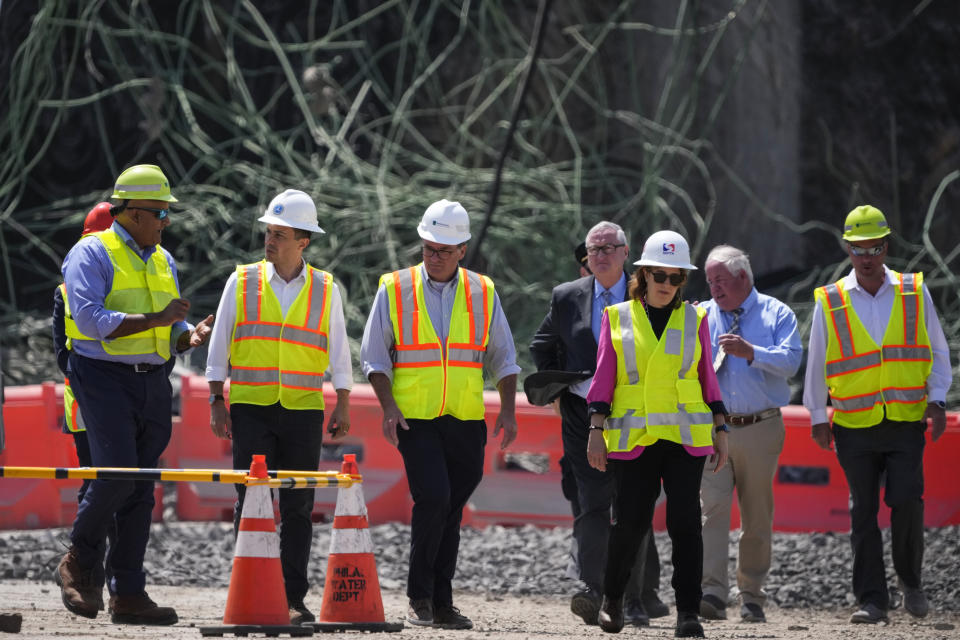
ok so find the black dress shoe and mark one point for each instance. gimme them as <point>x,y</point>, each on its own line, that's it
<point>688,626</point>
<point>635,614</point>
<point>586,604</point>
<point>611,614</point>
<point>655,608</point>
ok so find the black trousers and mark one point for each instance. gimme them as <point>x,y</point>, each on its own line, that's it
<point>290,439</point>
<point>591,503</point>
<point>638,485</point>
<point>894,451</point>
<point>443,459</point>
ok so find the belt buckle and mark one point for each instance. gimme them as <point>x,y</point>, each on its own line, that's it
<point>737,421</point>
<point>141,367</point>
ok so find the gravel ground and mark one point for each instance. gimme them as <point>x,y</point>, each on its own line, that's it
<point>809,570</point>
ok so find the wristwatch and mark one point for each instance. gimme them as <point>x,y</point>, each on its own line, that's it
<point>594,427</point>
<point>722,427</point>
<point>939,403</point>
<point>214,397</point>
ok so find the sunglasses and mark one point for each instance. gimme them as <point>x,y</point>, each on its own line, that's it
<point>161,214</point>
<point>676,279</point>
<point>867,251</point>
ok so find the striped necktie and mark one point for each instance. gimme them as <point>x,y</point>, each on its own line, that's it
<point>734,328</point>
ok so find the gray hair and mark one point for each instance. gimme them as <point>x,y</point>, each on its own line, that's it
<point>608,226</point>
<point>735,260</point>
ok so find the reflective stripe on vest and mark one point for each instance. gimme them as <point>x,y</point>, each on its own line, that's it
<point>666,378</point>
<point>138,287</point>
<point>71,409</point>
<point>866,382</point>
<point>70,328</point>
<point>276,357</point>
<point>429,381</point>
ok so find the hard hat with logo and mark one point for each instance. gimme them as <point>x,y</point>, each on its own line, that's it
<point>99,218</point>
<point>143,182</point>
<point>665,249</point>
<point>294,209</point>
<point>445,222</point>
<point>865,223</point>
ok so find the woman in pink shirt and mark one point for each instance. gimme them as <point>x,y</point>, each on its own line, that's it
<point>665,422</point>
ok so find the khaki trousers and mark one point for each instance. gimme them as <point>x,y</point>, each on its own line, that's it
<point>754,452</point>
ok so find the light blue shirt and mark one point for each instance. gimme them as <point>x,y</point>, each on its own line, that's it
<point>771,327</point>
<point>88,273</point>
<point>376,350</point>
<point>617,294</point>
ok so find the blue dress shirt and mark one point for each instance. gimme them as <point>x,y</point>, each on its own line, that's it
<point>771,327</point>
<point>88,273</point>
<point>617,293</point>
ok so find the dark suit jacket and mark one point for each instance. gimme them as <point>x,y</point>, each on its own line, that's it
<point>564,341</point>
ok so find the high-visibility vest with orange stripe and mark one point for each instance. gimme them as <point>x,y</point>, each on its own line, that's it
<point>429,380</point>
<point>865,380</point>
<point>276,357</point>
<point>657,394</point>
<point>71,409</point>
<point>138,287</point>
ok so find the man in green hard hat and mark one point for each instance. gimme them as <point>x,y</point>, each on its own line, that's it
<point>878,351</point>
<point>130,320</point>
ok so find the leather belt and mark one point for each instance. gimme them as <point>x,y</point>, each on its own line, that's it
<point>744,419</point>
<point>140,367</point>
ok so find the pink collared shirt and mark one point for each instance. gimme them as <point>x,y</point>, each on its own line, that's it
<point>605,379</point>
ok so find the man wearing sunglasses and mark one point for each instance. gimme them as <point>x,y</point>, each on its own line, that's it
<point>432,330</point>
<point>878,351</point>
<point>131,321</point>
<point>757,349</point>
<point>567,341</point>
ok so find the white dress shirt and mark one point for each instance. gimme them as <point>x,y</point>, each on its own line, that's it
<point>874,313</point>
<point>218,353</point>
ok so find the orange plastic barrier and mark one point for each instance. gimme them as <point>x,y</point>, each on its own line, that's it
<point>32,416</point>
<point>810,489</point>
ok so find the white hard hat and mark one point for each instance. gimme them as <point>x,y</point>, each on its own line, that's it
<point>665,249</point>
<point>292,208</point>
<point>445,222</point>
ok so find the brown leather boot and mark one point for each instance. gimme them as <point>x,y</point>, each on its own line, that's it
<point>140,609</point>
<point>82,594</point>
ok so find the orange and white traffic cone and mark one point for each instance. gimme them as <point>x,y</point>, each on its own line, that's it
<point>257,599</point>
<point>351,592</point>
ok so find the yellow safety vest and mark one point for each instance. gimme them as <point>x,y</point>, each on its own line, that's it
<point>276,357</point>
<point>429,380</point>
<point>657,394</point>
<point>71,409</point>
<point>138,287</point>
<point>865,380</point>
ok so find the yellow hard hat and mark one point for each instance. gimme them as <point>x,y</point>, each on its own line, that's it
<point>865,223</point>
<point>143,182</point>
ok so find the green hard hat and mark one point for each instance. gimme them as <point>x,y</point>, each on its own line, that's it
<point>143,182</point>
<point>865,223</point>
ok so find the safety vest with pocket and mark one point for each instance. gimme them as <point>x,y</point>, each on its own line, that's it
<point>138,287</point>
<point>430,379</point>
<point>277,357</point>
<point>865,380</point>
<point>657,394</point>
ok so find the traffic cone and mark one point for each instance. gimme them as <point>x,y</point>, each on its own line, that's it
<point>351,592</point>
<point>257,599</point>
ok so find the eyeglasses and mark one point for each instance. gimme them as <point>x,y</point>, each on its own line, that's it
<point>605,249</point>
<point>676,279</point>
<point>161,214</point>
<point>867,251</point>
<point>430,252</point>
